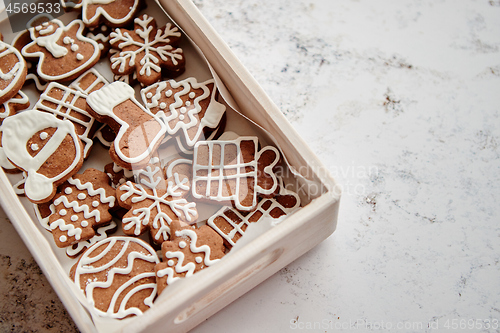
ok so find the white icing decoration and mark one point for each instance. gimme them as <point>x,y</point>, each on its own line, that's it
<point>100,235</point>
<point>103,102</point>
<point>39,86</point>
<point>71,230</point>
<point>100,11</point>
<point>63,212</point>
<point>178,109</point>
<point>81,196</point>
<point>198,259</point>
<point>22,99</point>
<point>237,166</point>
<point>84,224</point>
<point>182,244</point>
<point>170,262</point>
<point>85,266</point>
<point>65,108</point>
<point>68,190</point>
<point>44,135</point>
<point>57,51</point>
<point>63,238</point>
<point>18,129</point>
<point>89,188</point>
<point>74,48</point>
<point>74,218</point>
<point>15,73</point>
<point>67,40</point>
<point>79,56</point>
<point>150,61</point>
<point>34,147</point>
<point>99,79</point>
<point>95,203</point>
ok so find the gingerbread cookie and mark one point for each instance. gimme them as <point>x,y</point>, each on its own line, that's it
<point>117,276</point>
<point>83,203</point>
<point>234,171</point>
<point>232,224</point>
<point>46,148</point>
<point>114,13</point>
<point>66,103</point>
<point>117,174</point>
<point>189,251</point>
<point>153,206</point>
<point>89,82</point>
<point>13,71</point>
<point>101,36</point>
<point>139,132</point>
<point>146,50</point>
<point>187,107</point>
<point>63,52</point>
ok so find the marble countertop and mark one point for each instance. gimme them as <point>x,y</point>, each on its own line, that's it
<point>399,99</point>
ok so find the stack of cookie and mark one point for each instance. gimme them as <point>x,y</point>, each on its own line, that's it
<point>149,199</point>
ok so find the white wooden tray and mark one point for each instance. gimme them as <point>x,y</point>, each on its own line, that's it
<point>190,301</point>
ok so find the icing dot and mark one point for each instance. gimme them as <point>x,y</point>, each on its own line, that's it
<point>104,28</point>
<point>84,224</point>
<point>68,190</point>
<point>81,196</point>
<point>63,238</point>
<point>101,47</point>
<point>38,28</point>
<point>170,262</point>
<point>95,203</point>
<point>149,95</point>
<point>163,105</point>
<point>188,103</point>
<point>182,244</point>
<point>67,40</point>
<point>79,56</point>
<point>63,212</point>
<point>44,135</point>
<point>181,117</point>
<point>192,94</point>
<point>74,218</point>
<point>74,47</point>
<point>198,259</point>
<point>34,146</point>
<point>168,93</point>
<point>183,110</point>
<point>45,24</point>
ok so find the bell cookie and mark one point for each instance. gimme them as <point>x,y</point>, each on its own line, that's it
<point>117,276</point>
<point>82,204</point>
<point>146,50</point>
<point>234,172</point>
<point>63,52</point>
<point>232,224</point>
<point>13,70</point>
<point>138,132</point>
<point>189,251</point>
<point>155,203</point>
<point>187,107</point>
<point>46,148</point>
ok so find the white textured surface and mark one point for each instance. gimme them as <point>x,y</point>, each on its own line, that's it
<point>400,101</point>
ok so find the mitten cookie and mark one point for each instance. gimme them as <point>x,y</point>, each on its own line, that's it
<point>146,50</point>
<point>234,171</point>
<point>117,276</point>
<point>82,204</point>
<point>189,251</point>
<point>46,148</point>
<point>138,131</point>
<point>154,207</point>
<point>13,71</point>
<point>232,224</point>
<point>63,52</point>
<point>115,13</point>
<point>187,107</point>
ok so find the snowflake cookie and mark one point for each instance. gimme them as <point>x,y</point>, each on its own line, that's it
<point>117,276</point>
<point>152,206</point>
<point>63,52</point>
<point>146,50</point>
<point>231,224</point>
<point>138,132</point>
<point>189,251</point>
<point>186,107</point>
<point>234,171</point>
<point>82,204</point>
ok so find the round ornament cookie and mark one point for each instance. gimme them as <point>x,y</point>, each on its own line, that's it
<point>117,276</point>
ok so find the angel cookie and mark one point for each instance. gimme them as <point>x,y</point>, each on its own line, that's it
<point>189,251</point>
<point>234,171</point>
<point>63,52</point>
<point>138,131</point>
<point>117,276</point>
<point>154,206</point>
<point>46,148</point>
<point>82,204</point>
<point>13,71</point>
<point>114,13</point>
<point>146,50</point>
<point>187,107</point>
